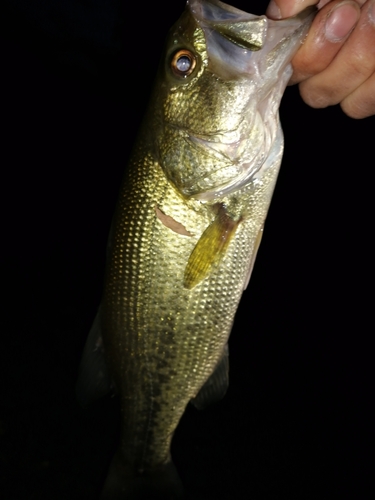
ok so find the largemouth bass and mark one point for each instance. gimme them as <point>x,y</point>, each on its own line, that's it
<point>186,231</point>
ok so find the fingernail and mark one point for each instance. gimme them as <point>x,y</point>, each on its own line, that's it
<point>273,10</point>
<point>341,20</point>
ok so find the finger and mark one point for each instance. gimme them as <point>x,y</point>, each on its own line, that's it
<point>352,66</point>
<point>329,31</point>
<point>278,9</point>
<point>361,102</point>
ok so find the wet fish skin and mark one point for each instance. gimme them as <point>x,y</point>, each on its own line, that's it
<point>188,223</point>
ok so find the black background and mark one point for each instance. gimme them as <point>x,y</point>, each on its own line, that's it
<point>295,423</point>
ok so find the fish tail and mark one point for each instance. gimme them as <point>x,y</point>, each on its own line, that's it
<point>159,483</point>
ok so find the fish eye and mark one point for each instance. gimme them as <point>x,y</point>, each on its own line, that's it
<point>183,63</point>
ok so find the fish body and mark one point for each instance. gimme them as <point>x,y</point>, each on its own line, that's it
<point>188,224</point>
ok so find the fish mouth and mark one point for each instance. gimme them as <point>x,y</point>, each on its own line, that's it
<point>242,43</point>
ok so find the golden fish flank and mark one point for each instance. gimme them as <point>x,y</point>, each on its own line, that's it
<point>188,224</point>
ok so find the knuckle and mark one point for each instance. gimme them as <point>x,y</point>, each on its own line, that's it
<point>361,66</point>
<point>352,112</point>
<point>305,65</point>
<point>357,109</point>
<point>361,102</point>
<point>314,96</point>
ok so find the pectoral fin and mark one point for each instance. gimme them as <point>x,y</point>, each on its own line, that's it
<point>211,248</point>
<point>216,386</point>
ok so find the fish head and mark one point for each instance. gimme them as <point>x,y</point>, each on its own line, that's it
<point>218,93</point>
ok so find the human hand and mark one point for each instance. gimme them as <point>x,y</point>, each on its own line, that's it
<point>336,64</point>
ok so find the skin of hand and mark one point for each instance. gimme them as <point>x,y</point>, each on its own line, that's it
<point>336,63</point>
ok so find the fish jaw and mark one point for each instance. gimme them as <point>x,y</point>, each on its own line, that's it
<point>244,63</point>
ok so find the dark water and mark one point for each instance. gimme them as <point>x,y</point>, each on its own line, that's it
<point>295,421</point>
